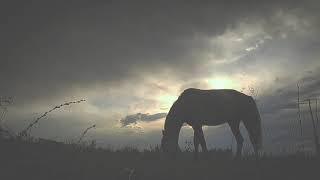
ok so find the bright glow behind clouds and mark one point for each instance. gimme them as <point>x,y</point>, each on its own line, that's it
<point>221,83</point>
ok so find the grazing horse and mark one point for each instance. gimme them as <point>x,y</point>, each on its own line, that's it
<point>198,107</point>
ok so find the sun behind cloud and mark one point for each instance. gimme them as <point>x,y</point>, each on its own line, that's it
<point>221,83</point>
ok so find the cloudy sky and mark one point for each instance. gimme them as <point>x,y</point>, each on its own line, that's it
<point>131,59</point>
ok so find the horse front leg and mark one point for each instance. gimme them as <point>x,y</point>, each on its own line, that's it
<point>203,141</point>
<point>199,133</point>
<point>196,144</point>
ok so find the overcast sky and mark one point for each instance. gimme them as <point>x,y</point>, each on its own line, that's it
<point>130,60</point>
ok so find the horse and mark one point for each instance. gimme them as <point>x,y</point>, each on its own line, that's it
<point>198,107</point>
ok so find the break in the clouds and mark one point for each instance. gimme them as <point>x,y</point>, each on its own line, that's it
<point>131,60</point>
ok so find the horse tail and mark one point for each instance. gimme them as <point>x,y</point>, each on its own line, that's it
<point>252,122</point>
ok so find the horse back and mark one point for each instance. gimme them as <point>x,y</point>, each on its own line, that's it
<point>211,107</point>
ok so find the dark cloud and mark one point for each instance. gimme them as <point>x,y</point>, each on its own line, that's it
<point>52,47</point>
<point>135,118</point>
<point>286,97</point>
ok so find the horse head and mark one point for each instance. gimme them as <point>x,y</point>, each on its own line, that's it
<point>168,145</point>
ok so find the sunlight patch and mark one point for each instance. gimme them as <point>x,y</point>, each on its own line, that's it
<point>221,83</point>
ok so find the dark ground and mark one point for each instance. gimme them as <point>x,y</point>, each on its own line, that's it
<point>46,160</point>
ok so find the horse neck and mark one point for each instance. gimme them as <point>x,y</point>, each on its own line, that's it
<point>173,126</point>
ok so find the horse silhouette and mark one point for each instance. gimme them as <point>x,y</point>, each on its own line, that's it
<point>198,107</point>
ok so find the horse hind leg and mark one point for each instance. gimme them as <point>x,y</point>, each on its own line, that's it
<point>237,134</point>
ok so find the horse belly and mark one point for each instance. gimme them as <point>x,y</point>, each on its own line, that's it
<point>209,119</point>
<point>213,122</point>
<point>219,115</point>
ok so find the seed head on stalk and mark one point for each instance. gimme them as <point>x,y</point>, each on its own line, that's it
<point>85,132</point>
<point>27,130</point>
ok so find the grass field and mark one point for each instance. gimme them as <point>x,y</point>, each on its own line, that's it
<point>45,160</point>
